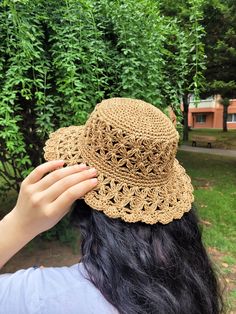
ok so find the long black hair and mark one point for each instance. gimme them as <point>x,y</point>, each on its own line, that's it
<point>148,269</point>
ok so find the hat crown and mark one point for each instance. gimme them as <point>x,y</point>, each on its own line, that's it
<point>133,139</point>
<point>137,117</point>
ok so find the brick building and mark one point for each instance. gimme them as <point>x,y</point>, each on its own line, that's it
<point>209,114</point>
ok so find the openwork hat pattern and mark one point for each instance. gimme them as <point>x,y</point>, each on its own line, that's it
<point>133,145</point>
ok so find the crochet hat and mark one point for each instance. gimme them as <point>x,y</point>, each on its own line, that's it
<point>133,145</point>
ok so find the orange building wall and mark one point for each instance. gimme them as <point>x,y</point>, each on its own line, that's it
<point>232,109</point>
<point>214,116</point>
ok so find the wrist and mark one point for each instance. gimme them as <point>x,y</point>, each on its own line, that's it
<point>12,237</point>
<point>21,229</point>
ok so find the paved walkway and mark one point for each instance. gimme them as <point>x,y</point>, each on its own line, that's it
<point>214,151</point>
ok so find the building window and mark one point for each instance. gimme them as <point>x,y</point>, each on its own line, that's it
<point>231,117</point>
<point>201,118</point>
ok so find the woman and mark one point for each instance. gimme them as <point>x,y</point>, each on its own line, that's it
<point>141,247</point>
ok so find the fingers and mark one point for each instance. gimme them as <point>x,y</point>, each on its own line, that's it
<point>45,197</point>
<point>41,170</point>
<point>57,175</point>
<point>54,191</point>
<point>66,199</point>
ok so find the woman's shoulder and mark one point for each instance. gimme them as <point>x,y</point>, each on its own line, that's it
<point>53,290</point>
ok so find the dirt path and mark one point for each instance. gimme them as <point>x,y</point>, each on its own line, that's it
<point>213,151</point>
<point>42,253</point>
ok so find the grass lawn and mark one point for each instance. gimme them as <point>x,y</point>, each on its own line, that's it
<point>214,180</point>
<point>225,140</point>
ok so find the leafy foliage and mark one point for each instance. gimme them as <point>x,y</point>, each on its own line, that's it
<point>59,58</point>
<point>191,67</point>
<point>192,33</point>
<point>220,44</point>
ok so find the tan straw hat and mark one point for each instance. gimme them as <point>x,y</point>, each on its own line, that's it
<point>133,145</point>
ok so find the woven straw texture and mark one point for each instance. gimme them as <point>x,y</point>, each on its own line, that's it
<point>133,145</point>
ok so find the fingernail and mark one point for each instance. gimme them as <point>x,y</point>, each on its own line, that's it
<point>94,181</point>
<point>83,165</point>
<point>93,170</point>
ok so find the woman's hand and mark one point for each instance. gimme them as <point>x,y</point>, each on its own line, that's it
<point>46,195</point>
<point>45,198</point>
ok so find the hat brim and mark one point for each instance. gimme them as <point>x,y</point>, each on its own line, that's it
<point>121,200</point>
